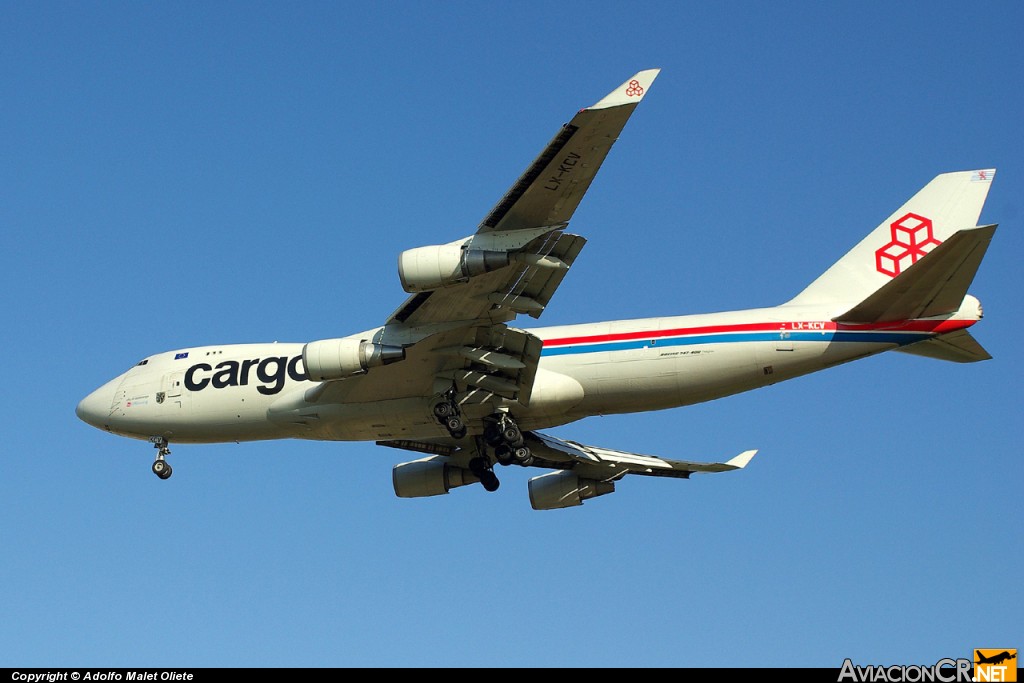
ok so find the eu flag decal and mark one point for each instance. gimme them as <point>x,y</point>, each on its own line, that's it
<point>179,356</point>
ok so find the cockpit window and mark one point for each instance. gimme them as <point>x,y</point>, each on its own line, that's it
<point>142,362</point>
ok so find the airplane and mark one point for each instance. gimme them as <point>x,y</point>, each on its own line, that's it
<point>995,659</point>
<point>448,377</point>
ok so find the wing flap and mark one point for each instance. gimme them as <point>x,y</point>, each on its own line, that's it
<point>515,357</point>
<point>537,284</point>
<point>524,287</point>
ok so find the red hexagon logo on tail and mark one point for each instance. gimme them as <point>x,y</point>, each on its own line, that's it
<point>912,238</point>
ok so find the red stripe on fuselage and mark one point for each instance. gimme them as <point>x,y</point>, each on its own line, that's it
<point>657,334</point>
<point>933,326</point>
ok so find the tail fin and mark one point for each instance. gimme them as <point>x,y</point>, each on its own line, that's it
<point>875,281</point>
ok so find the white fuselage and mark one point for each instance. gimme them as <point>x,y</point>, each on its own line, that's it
<point>246,392</point>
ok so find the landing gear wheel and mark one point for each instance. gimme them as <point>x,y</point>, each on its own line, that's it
<point>523,456</point>
<point>479,467</point>
<point>492,436</point>
<point>162,469</point>
<point>504,455</point>
<point>490,481</point>
<point>447,413</point>
<point>511,435</point>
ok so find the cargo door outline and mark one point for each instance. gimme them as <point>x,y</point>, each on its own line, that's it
<point>170,391</point>
<point>785,342</point>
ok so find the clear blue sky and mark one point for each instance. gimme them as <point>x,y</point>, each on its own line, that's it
<point>175,174</point>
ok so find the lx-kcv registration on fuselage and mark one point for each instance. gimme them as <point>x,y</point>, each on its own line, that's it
<point>448,377</point>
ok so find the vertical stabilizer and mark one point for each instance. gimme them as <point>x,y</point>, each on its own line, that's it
<point>949,203</point>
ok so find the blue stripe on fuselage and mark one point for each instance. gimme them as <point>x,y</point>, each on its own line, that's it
<point>899,338</point>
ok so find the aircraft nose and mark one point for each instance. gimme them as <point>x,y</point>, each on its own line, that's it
<point>94,409</point>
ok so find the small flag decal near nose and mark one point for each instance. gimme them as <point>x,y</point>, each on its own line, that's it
<point>179,356</point>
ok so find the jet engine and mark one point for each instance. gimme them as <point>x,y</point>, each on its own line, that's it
<point>565,489</point>
<point>426,268</point>
<point>339,358</point>
<point>433,476</point>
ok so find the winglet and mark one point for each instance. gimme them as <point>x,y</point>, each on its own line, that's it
<point>630,92</point>
<point>741,460</point>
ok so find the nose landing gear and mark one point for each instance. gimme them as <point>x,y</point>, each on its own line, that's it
<point>161,467</point>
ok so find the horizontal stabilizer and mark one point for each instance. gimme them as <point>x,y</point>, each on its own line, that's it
<point>935,285</point>
<point>597,462</point>
<point>958,347</point>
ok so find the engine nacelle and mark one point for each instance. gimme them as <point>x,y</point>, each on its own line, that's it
<point>339,358</point>
<point>426,268</point>
<point>565,489</point>
<point>432,476</point>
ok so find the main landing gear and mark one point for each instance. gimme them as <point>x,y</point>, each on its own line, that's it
<point>447,413</point>
<point>505,438</point>
<point>503,435</point>
<point>161,467</point>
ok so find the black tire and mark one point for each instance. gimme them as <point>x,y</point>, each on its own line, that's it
<point>459,433</point>
<point>159,467</point>
<point>522,454</point>
<point>492,436</point>
<point>512,436</point>
<point>443,410</point>
<point>490,481</point>
<point>479,467</point>
<point>166,474</point>
<point>454,424</point>
<point>503,454</point>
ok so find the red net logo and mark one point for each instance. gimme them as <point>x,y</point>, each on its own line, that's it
<point>634,89</point>
<point>912,238</point>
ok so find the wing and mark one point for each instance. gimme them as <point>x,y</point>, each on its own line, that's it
<point>452,331</point>
<point>606,464</point>
<point>581,472</point>
<point>589,471</point>
<point>529,221</point>
<point>453,327</point>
